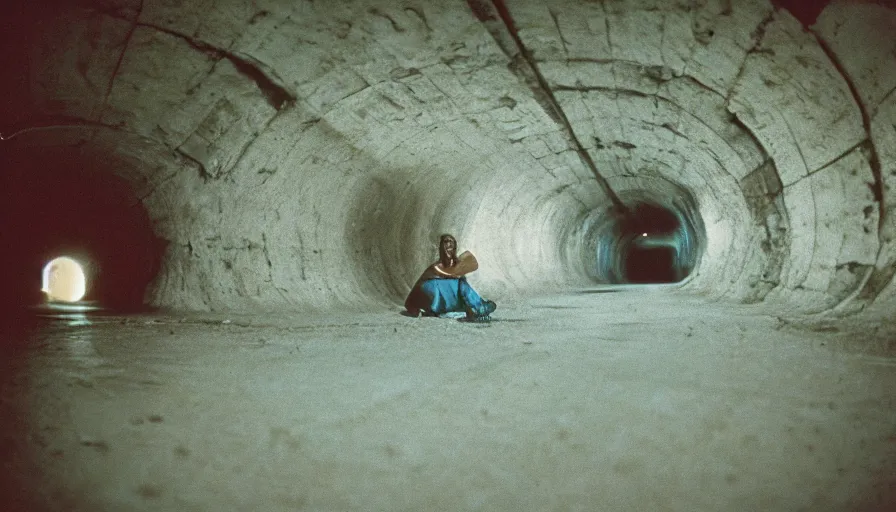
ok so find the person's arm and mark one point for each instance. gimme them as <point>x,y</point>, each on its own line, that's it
<point>466,263</point>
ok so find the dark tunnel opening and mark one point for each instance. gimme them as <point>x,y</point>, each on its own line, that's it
<point>64,202</point>
<point>648,243</point>
<point>650,265</point>
<point>652,242</point>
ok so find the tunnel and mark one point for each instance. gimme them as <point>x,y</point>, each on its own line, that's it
<point>649,244</point>
<point>683,211</point>
<point>59,202</point>
<point>651,265</point>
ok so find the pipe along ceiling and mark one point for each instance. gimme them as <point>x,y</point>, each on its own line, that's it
<point>272,155</point>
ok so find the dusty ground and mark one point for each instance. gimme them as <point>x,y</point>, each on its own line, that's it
<point>636,400</point>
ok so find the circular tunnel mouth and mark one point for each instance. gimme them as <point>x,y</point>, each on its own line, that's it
<point>656,241</point>
<point>64,280</point>
<point>651,265</point>
<point>63,201</point>
<point>648,242</point>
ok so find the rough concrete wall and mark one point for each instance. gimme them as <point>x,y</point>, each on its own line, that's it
<point>741,105</point>
<point>302,155</point>
<point>860,39</point>
<point>645,116</point>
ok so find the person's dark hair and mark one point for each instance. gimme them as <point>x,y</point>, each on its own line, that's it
<point>448,260</point>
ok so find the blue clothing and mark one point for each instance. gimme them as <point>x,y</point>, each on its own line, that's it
<point>447,295</point>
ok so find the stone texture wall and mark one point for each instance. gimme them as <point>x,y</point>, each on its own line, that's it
<point>860,40</point>
<point>307,155</point>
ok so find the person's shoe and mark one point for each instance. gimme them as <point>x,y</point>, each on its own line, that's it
<point>483,314</point>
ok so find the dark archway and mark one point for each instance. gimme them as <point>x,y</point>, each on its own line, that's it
<point>650,265</point>
<point>653,242</point>
<point>65,201</point>
<point>649,244</point>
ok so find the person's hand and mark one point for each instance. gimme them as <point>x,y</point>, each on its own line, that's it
<point>466,263</point>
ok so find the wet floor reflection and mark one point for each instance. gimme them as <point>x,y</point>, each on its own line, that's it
<point>75,319</point>
<point>80,346</point>
<point>68,330</point>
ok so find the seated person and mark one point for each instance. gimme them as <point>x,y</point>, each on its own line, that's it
<point>443,287</point>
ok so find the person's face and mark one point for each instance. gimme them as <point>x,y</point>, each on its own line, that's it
<point>450,246</point>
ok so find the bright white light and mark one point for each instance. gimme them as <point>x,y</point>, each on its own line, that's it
<point>643,234</point>
<point>64,280</point>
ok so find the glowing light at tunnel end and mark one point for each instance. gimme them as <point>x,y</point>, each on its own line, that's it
<point>64,280</point>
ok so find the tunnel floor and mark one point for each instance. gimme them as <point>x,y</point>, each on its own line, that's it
<point>583,401</point>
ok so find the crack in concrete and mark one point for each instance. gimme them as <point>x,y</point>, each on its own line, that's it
<point>62,122</point>
<point>882,101</point>
<point>550,171</point>
<point>756,142</point>
<point>613,68</point>
<point>267,258</point>
<point>267,173</point>
<point>141,200</point>
<point>644,69</point>
<point>841,156</point>
<point>597,60</point>
<point>254,138</point>
<point>301,251</point>
<point>701,38</point>
<point>603,6</point>
<point>796,142</point>
<point>757,35</point>
<point>668,126</point>
<point>682,110</point>
<point>815,229</point>
<point>203,172</point>
<point>269,84</point>
<point>366,86</point>
<point>559,32</point>
<point>411,93</point>
<point>764,192</point>
<point>700,84</point>
<point>395,26</point>
<point>525,67</point>
<point>410,137</point>
<point>420,15</point>
<point>226,172</point>
<point>603,88</point>
<point>874,157</point>
<point>879,277</point>
<point>663,40</point>
<point>127,41</point>
<point>445,94</point>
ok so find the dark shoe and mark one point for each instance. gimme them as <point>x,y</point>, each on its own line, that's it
<point>482,315</point>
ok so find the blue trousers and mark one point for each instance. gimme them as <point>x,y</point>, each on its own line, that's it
<point>447,295</point>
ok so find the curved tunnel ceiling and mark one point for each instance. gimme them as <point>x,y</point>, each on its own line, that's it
<point>307,155</point>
